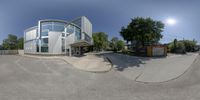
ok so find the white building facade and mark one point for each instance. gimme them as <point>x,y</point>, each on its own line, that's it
<point>58,37</point>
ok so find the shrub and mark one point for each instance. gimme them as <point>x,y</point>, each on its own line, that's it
<point>177,47</point>
<point>189,45</point>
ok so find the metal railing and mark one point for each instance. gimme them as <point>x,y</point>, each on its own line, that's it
<point>8,52</point>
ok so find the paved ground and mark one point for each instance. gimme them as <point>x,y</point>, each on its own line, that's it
<point>152,69</point>
<point>23,78</point>
<point>89,62</point>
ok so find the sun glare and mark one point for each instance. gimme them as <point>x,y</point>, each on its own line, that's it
<point>171,21</point>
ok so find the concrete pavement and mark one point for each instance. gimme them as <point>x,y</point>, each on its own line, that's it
<point>140,69</point>
<point>89,62</point>
<point>27,78</point>
<point>149,69</point>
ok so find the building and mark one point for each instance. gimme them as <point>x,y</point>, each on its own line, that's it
<point>58,37</point>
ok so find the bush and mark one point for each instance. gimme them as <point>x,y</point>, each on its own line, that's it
<point>120,45</point>
<point>189,45</point>
<point>178,47</point>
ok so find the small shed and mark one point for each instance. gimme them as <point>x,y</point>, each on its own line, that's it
<point>156,50</point>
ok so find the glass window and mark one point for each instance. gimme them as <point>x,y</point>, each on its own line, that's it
<point>77,33</point>
<point>46,26</point>
<point>87,38</point>
<point>44,49</point>
<point>44,41</point>
<point>70,29</point>
<point>44,45</point>
<point>77,22</point>
<point>44,32</point>
<point>63,45</point>
<point>51,26</point>
<point>59,23</point>
<point>47,23</point>
<point>58,28</point>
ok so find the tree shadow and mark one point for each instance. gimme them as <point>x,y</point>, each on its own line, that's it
<point>122,62</point>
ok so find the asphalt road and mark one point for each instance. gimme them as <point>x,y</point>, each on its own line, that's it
<point>23,78</point>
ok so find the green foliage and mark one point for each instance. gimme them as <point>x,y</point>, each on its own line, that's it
<point>120,45</point>
<point>10,43</point>
<point>117,44</point>
<point>20,43</point>
<point>177,47</point>
<point>113,43</point>
<point>100,41</point>
<point>189,45</point>
<point>182,46</point>
<point>143,30</point>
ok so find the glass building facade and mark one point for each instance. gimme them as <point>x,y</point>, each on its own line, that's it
<point>51,26</point>
<point>56,37</point>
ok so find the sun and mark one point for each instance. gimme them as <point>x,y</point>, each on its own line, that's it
<point>171,21</point>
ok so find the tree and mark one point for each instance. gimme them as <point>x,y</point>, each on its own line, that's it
<point>177,47</point>
<point>20,43</point>
<point>116,44</point>
<point>189,45</point>
<point>114,41</point>
<point>183,45</point>
<point>142,30</point>
<point>100,40</point>
<point>120,45</point>
<point>10,43</point>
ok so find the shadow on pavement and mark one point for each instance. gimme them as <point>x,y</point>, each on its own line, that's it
<point>121,62</point>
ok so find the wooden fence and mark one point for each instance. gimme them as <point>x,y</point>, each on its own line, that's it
<point>8,52</point>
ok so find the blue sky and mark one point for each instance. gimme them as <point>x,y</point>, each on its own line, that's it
<point>106,15</point>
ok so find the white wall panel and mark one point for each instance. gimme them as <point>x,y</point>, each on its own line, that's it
<point>55,42</point>
<point>30,35</point>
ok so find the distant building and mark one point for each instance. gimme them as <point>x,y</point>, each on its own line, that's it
<point>58,37</point>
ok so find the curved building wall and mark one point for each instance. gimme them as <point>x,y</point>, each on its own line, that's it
<point>51,30</point>
<point>55,42</point>
<point>56,36</point>
<point>55,26</point>
<point>30,36</point>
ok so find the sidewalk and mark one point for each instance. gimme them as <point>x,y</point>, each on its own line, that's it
<point>90,63</point>
<point>150,69</point>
